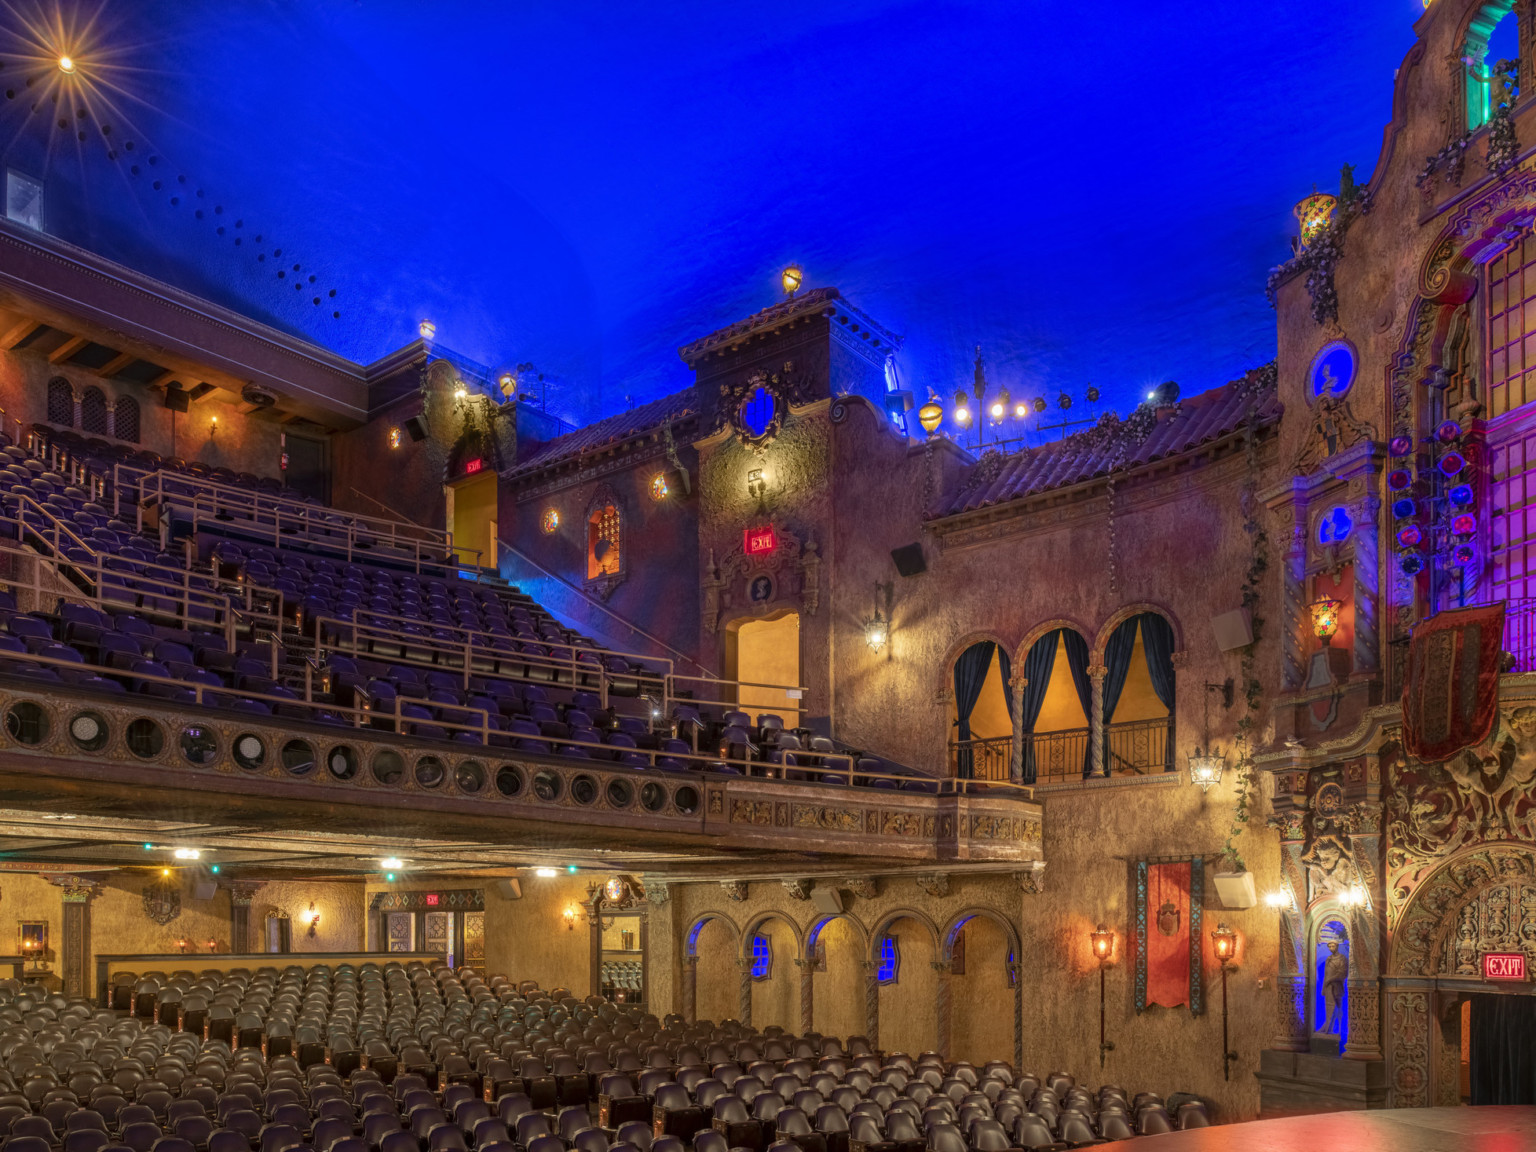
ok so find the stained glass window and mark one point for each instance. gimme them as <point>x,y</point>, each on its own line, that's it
<point>889,964</point>
<point>762,957</point>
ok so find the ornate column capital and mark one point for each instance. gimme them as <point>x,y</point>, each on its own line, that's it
<point>798,888</point>
<point>1179,660</point>
<point>242,892</point>
<point>1032,879</point>
<point>864,887</point>
<point>735,890</point>
<point>1097,671</point>
<point>933,883</point>
<point>690,961</point>
<point>744,963</point>
<point>77,889</point>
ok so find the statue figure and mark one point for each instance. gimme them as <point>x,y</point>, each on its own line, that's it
<point>1335,972</point>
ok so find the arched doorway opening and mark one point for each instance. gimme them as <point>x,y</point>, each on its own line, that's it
<point>1138,696</point>
<point>981,957</point>
<point>1053,709</point>
<point>471,515</point>
<point>714,941</point>
<point>771,948</point>
<point>981,714</point>
<point>761,655</point>
<point>835,945</point>
<point>905,949</point>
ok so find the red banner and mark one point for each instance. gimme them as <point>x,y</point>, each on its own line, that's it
<point>1451,692</point>
<point>1167,942</point>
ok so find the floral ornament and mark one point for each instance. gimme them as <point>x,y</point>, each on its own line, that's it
<point>1503,148</point>
<point>1451,161</point>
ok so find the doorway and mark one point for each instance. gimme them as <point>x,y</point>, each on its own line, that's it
<point>309,466</point>
<point>471,517</point>
<point>1501,1055</point>
<point>766,652</point>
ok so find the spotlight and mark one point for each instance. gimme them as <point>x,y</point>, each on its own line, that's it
<point>1020,410</point>
<point>1464,525</point>
<point>997,409</point>
<point>1400,446</point>
<point>1452,463</point>
<point>1410,537</point>
<point>1404,508</point>
<point>546,873</point>
<point>392,862</point>
<point>1461,494</point>
<point>67,65</point>
<point>1277,899</point>
<point>165,871</point>
<point>389,877</point>
<point>1399,478</point>
<point>186,854</point>
<point>570,868</point>
<point>214,869</point>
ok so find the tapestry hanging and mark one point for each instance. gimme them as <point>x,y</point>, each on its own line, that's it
<point>1169,896</point>
<point>1451,691</point>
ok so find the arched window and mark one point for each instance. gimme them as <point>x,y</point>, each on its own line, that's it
<point>983,716</point>
<point>1057,697</point>
<point>126,419</point>
<point>1492,38</point>
<point>93,412</point>
<point>888,966</point>
<point>1138,697</point>
<point>603,542</point>
<point>61,402</point>
<point>762,957</point>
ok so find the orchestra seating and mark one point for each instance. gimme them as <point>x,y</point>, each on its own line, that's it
<point>295,631</point>
<point>396,1058</point>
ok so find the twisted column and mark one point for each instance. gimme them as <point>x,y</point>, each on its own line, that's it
<point>872,1004</point>
<point>1016,754</point>
<point>744,997</point>
<point>807,992</point>
<point>1096,676</point>
<point>1367,587</point>
<point>1018,1015</point>
<point>691,989</point>
<point>942,1006</point>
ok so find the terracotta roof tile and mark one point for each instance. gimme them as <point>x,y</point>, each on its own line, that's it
<point>817,300</point>
<point>636,421</point>
<point>1115,445</point>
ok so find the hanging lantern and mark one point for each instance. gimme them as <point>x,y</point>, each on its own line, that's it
<point>1314,214</point>
<point>1205,768</point>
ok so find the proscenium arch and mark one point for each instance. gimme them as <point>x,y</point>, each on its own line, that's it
<point>1101,640</point>
<point>1469,876</point>
<point>696,925</point>
<point>960,919</point>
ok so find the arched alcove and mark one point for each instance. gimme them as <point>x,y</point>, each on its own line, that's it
<point>776,983</point>
<point>981,951</point>
<point>714,940</point>
<point>838,946</point>
<point>909,1019</point>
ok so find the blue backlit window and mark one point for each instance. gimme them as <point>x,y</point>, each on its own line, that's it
<point>758,410</point>
<point>889,965</point>
<point>762,958</point>
<point>1334,526</point>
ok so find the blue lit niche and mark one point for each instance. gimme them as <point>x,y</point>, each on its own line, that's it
<point>888,966</point>
<point>762,957</point>
<point>758,411</point>
<point>1333,370</point>
<point>1333,931</point>
<point>1334,526</point>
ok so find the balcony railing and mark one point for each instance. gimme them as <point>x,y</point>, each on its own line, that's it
<point>1134,749</point>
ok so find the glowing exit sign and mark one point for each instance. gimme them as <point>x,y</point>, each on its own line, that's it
<point>431,899</point>
<point>758,541</point>
<point>1504,966</point>
<point>474,466</point>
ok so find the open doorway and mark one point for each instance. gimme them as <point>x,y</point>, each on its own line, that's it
<point>471,517</point>
<point>1496,1044</point>
<point>766,652</point>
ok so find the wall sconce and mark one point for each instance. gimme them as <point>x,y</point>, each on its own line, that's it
<point>394,437</point>
<point>792,278</point>
<point>310,917</point>
<point>569,915</point>
<point>213,426</point>
<point>460,393</point>
<point>1355,896</point>
<point>1224,944</point>
<point>213,945</point>
<point>1103,951</point>
<point>182,945</point>
<point>1325,619</point>
<point>427,329</point>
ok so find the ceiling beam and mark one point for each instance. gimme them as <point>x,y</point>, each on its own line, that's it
<point>115,365</point>
<point>67,349</point>
<point>18,332</point>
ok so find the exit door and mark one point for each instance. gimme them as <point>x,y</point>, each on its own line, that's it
<point>1502,1048</point>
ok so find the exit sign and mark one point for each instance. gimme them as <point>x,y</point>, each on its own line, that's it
<point>1504,966</point>
<point>474,465</point>
<point>431,899</point>
<point>759,541</point>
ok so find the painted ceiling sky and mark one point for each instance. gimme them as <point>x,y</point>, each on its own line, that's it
<point>1092,194</point>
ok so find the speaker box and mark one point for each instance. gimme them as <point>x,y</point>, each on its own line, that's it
<point>204,889</point>
<point>176,399</point>
<point>510,888</point>
<point>416,426</point>
<point>827,900</point>
<point>1233,629</point>
<point>909,559</point>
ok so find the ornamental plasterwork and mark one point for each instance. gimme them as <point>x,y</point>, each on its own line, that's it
<point>735,890</point>
<point>798,888</point>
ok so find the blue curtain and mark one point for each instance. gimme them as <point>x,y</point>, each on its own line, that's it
<point>1037,670</point>
<point>970,674</point>
<point>1117,665</point>
<point>1077,660</point>
<point>1157,643</point>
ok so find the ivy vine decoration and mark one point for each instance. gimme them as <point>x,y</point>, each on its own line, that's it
<point>1320,258</point>
<point>1253,578</point>
<point>1450,161</point>
<point>1503,148</point>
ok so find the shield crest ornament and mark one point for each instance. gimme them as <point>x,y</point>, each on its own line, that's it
<point>1168,918</point>
<point>162,902</point>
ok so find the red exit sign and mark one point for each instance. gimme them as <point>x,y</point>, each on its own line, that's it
<point>431,899</point>
<point>474,466</point>
<point>758,541</point>
<point>1504,966</point>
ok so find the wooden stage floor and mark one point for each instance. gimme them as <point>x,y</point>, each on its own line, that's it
<point>1387,1130</point>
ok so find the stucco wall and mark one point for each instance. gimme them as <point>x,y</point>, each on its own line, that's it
<point>340,905</point>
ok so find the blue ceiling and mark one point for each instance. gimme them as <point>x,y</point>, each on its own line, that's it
<point>1093,194</point>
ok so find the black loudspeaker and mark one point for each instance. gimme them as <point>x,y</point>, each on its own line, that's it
<point>204,889</point>
<point>510,888</point>
<point>417,427</point>
<point>176,399</point>
<point>909,559</point>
